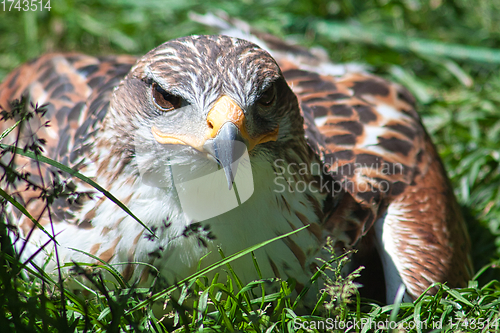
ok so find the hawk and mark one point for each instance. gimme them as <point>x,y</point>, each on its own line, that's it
<point>169,134</point>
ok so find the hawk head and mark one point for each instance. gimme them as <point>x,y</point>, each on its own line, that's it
<point>202,101</point>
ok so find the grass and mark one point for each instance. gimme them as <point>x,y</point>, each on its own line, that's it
<point>445,52</point>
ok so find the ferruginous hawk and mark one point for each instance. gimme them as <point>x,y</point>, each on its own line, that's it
<point>210,141</point>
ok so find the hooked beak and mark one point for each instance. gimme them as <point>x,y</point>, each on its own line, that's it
<point>227,148</point>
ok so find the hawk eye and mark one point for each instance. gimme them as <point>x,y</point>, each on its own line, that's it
<point>163,100</point>
<point>268,96</point>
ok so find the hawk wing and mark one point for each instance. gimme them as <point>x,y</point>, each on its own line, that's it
<point>372,141</point>
<point>77,89</point>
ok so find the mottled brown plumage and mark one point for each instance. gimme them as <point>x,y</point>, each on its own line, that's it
<point>381,170</point>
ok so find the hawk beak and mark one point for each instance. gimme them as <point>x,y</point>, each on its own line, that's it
<point>227,147</point>
<point>228,138</point>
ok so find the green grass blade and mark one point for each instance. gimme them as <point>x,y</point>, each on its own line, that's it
<point>8,130</point>
<point>25,212</point>
<point>397,303</point>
